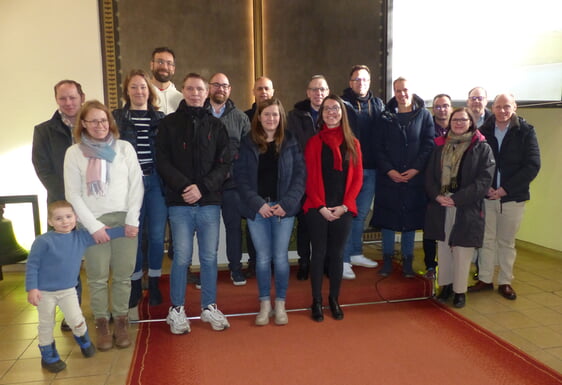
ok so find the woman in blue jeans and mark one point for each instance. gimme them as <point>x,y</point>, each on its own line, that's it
<point>138,121</point>
<point>270,177</point>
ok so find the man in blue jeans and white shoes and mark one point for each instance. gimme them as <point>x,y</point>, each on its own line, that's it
<point>193,160</point>
<point>363,110</point>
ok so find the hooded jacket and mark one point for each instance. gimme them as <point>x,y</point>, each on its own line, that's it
<point>400,147</point>
<point>192,148</point>
<point>475,178</point>
<point>301,123</point>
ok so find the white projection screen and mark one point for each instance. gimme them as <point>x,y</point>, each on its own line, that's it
<point>502,45</point>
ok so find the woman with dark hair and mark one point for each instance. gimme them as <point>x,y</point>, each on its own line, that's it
<point>458,175</point>
<point>103,182</point>
<point>138,122</point>
<point>270,177</point>
<point>334,178</point>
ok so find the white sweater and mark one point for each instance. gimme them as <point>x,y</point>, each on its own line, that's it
<point>124,192</point>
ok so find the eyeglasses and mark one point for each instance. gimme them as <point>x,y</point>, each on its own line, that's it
<point>476,98</point>
<point>319,89</point>
<point>96,122</point>
<point>459,120</point>
<point>161,62</point>
<point>224,86</point>
<point>361,80</point>
<point>332,109</point>
<point>442,107</point>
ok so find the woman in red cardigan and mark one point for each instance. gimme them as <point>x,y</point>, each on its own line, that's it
<point>334,178</point>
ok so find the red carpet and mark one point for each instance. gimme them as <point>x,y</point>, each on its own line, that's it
<point>368,287</point>
<point>414,342</point>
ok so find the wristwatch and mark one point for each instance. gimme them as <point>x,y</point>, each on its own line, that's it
<point>344,208</point>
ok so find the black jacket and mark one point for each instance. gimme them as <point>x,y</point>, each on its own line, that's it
<point>192,148</point>
<point>475,178</point>
<point>518,161</point>
<point>364,118</point>
<point>401,206</point>
<point>51,139</point>
<point>301,123</point>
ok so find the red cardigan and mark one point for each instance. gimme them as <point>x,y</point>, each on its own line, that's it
<point>315,195</point>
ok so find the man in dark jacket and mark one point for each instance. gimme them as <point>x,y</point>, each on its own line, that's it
<point>364,112</point>
<point>263,90</point>
<point>193,161</point>
<point>476,103</point>
<point>237,125</point>
<point>404,143</point>
<point>50,141</point>
<point>517,154</point>
<point>301,121</point>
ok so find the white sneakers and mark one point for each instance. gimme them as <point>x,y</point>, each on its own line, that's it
<point>361,260</point>
<point>179,324</point>
<point>214,316</point>
<point>347,271</point>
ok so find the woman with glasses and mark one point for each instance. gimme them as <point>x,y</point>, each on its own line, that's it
<point>270,177</point>
<point>334,178</point>
<point>103,182</point>
<point>458,175</point>
<point>138,124</point>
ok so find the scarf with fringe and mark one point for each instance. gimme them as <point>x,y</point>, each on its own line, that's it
<point>98,154</point>
<point>453,150</point>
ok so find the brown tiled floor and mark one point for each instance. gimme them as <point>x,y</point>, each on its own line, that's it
<point>533,323</point>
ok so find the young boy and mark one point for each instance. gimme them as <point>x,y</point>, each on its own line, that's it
<point>51,275</point>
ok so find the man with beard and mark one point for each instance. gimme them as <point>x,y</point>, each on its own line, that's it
<point>50,141</point>
<point>237,124</point>
<point>163,67</point>
<point>263,90</point>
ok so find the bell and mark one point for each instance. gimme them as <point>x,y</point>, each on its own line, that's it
<point>10,251</point>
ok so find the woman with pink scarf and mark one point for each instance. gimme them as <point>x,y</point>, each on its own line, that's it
<point>103,181</point>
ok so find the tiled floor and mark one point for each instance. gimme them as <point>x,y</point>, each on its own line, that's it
<point>533,323</point>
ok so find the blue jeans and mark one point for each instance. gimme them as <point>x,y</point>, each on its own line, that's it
<point>185,222</point>
<point>271,238</point>
<point>354,244</point>
<point>406,242</point>
<point>154,214</point>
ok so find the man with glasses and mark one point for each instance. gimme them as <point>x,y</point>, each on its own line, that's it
<point>163,68</point>
<point>301,121</point>
<point>237,125</point>
<point>442,110</point>
<point>364,110</point>
<point>516,150</point>
<point>476,103</point>
<point>263,90</point>
<point>50,142</point>
<point>193,161</point>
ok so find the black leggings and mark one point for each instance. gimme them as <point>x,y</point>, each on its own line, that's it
<point>328,241</point>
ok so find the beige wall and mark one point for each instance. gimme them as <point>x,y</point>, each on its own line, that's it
<point>44,42</point>
<point>41,42</point>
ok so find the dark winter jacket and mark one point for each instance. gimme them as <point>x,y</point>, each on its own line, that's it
<point>50,142</point>
<point>127,129</point>
<point>364,118</point>
<point>301,123</point>
<point>519,159</point>
<point>237,125</point>
<point>192,148</point>
<point>401,206</point>
<point>290,180</point>
<point>475,178</point>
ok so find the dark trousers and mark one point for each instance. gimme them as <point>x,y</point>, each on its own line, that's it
<point>303,239</point>
<point>328,241</point>
<point>430,252</point>
<point>233,228</point>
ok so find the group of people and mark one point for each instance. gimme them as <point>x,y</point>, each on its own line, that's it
<point>186,157</point>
